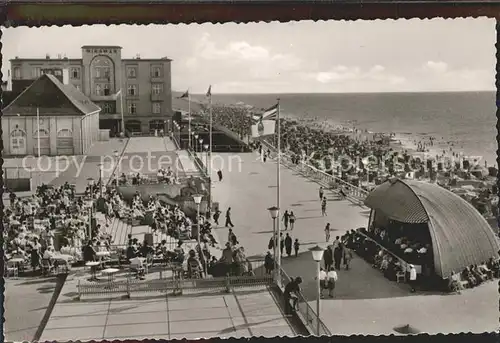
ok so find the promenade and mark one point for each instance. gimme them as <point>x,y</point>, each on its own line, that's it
<point>365,302</point>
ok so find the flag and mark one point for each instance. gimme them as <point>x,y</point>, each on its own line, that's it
<point>185,95</point>
<point>209,92</point>
<point>265,124</point>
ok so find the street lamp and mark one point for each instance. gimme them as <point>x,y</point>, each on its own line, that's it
<point>197,200</point>
<point>317,254</point>
<point>191,138</point>
<point>205,146</point>
<point>91,183</point>
<point>195,141</point>
<point>274,212</point>
<point>100,178</point>
<point>200,147</point>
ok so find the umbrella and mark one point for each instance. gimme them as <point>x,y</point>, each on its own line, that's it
<point>406,330</point>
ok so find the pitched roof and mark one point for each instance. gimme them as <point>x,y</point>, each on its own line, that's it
<point>81,103</point>
<point>460,234</point>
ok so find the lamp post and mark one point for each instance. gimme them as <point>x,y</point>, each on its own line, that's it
<point>100,179</point>
<point>200,147</point>
<point>195,142</point>
<point>191,138</point>
<point>274,212</point>
<point>197,200</point>
<point>91,183</point>
<point>317,254</point>
<point>206,146</point>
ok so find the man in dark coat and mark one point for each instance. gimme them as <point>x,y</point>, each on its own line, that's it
<point>288,245</point>
<point>328,257</point>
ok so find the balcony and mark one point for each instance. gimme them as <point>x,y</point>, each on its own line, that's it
<point>157,78</point>
<point>157,97</point>
<point>107,97</point>
<point>132,96</point>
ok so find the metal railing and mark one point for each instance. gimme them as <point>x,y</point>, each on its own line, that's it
<point>332,182</point>
<point>306,313</point>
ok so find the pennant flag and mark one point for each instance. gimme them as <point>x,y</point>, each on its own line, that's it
<point>209,92</point>
<point>265,124</point>
<point>185,95</point>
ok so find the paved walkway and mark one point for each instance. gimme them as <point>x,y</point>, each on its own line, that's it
<point>243,313</point>
<point>365,302</point>
<point>187,163</point>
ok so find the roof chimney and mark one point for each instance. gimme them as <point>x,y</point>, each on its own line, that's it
<point>138,57</point>
<point>47,56</point>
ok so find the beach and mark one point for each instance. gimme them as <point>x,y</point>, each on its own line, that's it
<point>464,121</point>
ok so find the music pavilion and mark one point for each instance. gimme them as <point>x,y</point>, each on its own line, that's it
<point>455,233</point>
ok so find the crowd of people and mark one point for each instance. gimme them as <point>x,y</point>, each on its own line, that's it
<point>162,176</point>
<point>45,230</point>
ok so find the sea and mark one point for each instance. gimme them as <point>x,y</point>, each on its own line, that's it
<point>464,121</point>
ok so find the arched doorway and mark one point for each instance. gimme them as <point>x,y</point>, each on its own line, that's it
<point>44,142</point>
<point>18,142</point>
<point>133,126</point>
<point>65,142</point>
<point>156,125</point>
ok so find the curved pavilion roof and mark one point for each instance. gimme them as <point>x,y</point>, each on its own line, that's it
<point>460,235</point>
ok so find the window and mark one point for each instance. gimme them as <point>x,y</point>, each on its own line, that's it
<point>132,90</point>
<point>75,73</point>
<point>36,72</point>
<point>107,89</point>
<point>131,72</point>
<point>156,71</point>
<point>156,107</point>
<point>102,72</point>
<point>157,88</point>
<point>17,73</point>
<point>98,89</point>
<point>107,107</point>
<point>58,72</point>
<point>132,108</point>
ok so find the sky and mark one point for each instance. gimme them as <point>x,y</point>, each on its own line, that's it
<point>297,57</point>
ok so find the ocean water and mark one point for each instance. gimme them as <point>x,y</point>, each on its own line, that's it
<point>465,120</point>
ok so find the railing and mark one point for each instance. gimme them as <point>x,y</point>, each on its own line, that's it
<point>179,286</point>
<point>305,312</point>
<point>198,163</point>
<point>353,193</point>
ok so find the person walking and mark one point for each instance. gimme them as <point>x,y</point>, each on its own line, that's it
<point>286,218</point>
<point>332,278</point>
<point>296,246</point>
<point>322,282</point>
<point>216,217</point>
<point>323,207</point>
<point>337,256</point>
<point>229,223</point>
<point>413,277</point>
<point>219,174</point>
<point>347,257</point>
<point>328,257</point>
<point>269,263</point>
<point>282,243</point>
<point>288,245</point>
<point>292,220</point>
<point>321,193</point>
<point>327,232</point>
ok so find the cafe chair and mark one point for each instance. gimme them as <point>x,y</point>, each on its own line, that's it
<point>400,276</point>
<point>13,270</point>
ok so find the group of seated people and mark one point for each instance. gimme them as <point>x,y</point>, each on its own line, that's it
<point>474,275</point>
<point>31,223</point>
<point>166,175</point>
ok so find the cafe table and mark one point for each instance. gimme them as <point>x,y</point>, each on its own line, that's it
<point>93,269</point>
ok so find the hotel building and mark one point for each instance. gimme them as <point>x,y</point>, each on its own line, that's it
<point>140,88</point>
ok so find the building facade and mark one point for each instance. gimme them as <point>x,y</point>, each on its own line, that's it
<point>139,89</point>
<point>49,118</point>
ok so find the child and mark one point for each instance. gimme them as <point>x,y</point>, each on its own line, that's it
<point>296,246</point>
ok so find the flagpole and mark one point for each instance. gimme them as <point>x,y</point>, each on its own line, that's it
<point>278,198</point>
<point>38,129</point>
<point>121,111</point>
<point>189,119</point>
<point>209,167</point>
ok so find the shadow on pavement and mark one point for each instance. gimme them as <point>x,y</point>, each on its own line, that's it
<point>360,282</point>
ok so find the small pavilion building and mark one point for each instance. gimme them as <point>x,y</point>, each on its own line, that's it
<point>452,232</point>
<point>68,122</point>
